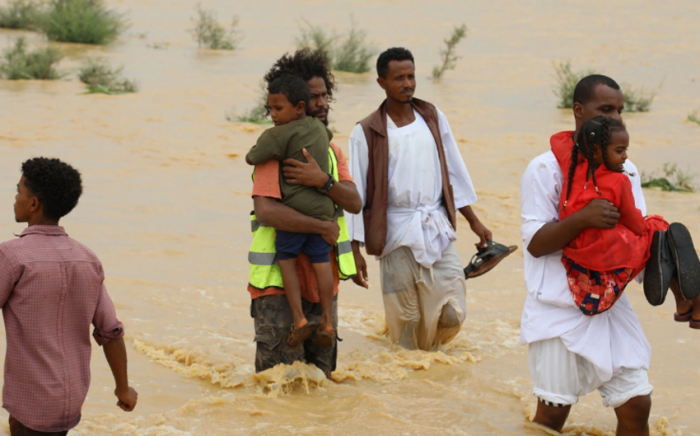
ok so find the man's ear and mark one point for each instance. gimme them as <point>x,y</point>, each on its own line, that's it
<point>34,204</point>
<point>382,82</point>
<point>578,110</point>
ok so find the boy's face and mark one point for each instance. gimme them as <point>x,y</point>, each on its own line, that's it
<point>25,203</point>
<point>282,111</point>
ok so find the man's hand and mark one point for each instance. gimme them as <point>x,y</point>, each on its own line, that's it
<point>330,232</point>
<point>127,399</point>
<point>599,214</point>
<point>361,278</point>
<point>483,233</point>
<point>305,174</point>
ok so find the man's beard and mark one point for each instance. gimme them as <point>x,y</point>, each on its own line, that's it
<point>319,111</point>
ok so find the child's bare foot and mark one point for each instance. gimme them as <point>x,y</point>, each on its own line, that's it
<point>695,317</point>
<point>300,324</point>
<point>684,308</point>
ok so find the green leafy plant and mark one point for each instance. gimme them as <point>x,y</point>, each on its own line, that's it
<point>258,113</point>
<point>20,64</point>
<point>636,100</point>
<point>671,178</point>
<point>81,21</point>
<point>693,117</point>
<point>100,77</point>
<point>347,52</point>
<point>20,14</point>
<point>210,34</point>
<point>449,59</point>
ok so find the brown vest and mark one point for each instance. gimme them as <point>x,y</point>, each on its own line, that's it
<point>374,213</point>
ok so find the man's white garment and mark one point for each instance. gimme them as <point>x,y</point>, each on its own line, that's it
<point>415,215</point>
<point>610,341</point>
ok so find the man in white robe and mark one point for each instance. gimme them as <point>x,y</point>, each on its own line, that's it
<point>571,354</point>
<point>422,277</point>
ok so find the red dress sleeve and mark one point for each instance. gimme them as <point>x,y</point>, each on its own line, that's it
<point>630,216</point>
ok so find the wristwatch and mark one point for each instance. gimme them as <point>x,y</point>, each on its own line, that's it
<point>329,185</point>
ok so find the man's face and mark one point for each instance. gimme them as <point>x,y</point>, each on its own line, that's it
<point>400,81</point>
<point>606,101</point>
<point>25,202</point>
<point>318,103</point>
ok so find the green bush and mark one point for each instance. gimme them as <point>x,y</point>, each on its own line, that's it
<point>636,100</point>
<point>99,77</point>
<point>347,52</point>
<point>82,21</point>
<point>19,14</point>
<point>19,64</point>
<point>693,117</point>
<point>671,178</point>
<point>258,114</point>
<point>449,59</point>
<point>210,34</point>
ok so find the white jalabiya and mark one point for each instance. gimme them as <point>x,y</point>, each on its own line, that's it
<point>612,340</point>
<point>415,215</point>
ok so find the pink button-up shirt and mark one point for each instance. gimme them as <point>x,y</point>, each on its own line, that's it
<point>51,290</point>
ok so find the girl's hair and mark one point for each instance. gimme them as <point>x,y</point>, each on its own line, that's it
<point>595,131</point>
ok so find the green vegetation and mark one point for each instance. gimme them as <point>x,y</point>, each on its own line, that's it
<point>258,113</point>
<point>671,178</point>
<point>449,59</point>
<point>347,52</point>
<point>19,14</point>
<point>693,117</point>
<point>210,34</point>
<point>82,21</point>
<point>99,77</point>
<point>19,64</point>
<point>636,100</point>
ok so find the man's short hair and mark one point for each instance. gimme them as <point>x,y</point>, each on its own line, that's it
<point>585,89</point>
<point>56,184</point>
<point>392,54</point>
<point>307,64</point>
<point>293,87</point>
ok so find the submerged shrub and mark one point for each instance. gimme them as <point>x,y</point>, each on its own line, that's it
<point>636,100</point>
<point>20,64</point>
<point>82,21</point>
<point>693,117</point>
<point>210,34</point>
<point>671,178</point>
<point>347,52</point>
<point>19,14</point>
<point>258,113</point>
<point>449,59</point>
<point>99,77</point>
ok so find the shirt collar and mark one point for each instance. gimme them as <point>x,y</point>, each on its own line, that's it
<point>44,230</point>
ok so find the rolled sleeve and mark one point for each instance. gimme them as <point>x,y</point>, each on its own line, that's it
<point>359,164</point>
<point>107,326</point>
<point>462,186</point>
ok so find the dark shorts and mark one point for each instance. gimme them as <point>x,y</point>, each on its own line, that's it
<point>290,245</point>
<point>273,319</point>
<point>19,429</point>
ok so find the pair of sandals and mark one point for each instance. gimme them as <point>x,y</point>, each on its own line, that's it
<point>673,256</point>
<point>486,259</point>
<point>300,335</point>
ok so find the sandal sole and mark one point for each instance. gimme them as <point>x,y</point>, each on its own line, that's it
<point>686,259</point>
<point>655,288</point>
<point>302,334</point>
<point>489,265</point>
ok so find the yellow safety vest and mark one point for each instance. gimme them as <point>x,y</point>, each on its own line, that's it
<point>264,270</point>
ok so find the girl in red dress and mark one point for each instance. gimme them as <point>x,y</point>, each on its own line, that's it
<point>601,262</point>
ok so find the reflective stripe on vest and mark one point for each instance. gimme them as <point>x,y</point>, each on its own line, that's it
<point>262,257</point>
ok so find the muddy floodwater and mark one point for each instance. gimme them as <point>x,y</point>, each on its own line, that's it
<point>167,197</point>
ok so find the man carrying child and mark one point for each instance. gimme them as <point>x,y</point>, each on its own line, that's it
<point>51,290</point>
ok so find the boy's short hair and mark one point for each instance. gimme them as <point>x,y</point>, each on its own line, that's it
<point>392,54</point>
<point>55,183</point>
<point>293,87</point>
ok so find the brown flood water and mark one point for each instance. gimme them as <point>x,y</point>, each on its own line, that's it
<point>167,199</point>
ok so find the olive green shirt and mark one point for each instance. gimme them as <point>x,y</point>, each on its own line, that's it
<point>286,141</point>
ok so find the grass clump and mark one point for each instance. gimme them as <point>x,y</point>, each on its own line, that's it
<point>258,113</point>
<point>210,34</point>
<point>20,64</point>
<point>100,77</point>
<point>81,21</point>
<point>694,117</point>
<point>671,178</point>
<point>636,100</point>
<point>19,14</point>
<point>348,52</point>
<point>449,59</point>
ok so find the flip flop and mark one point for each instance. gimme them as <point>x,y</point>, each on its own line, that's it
<point>487,258</point>
<point>297,336</point>
<point>683,317</point>
<point>686,260</point>
<point>323,339</point>
<point>660,269</point>
<point>694,324</point>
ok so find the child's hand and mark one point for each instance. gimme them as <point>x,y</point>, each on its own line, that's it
<point>127,400</point>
